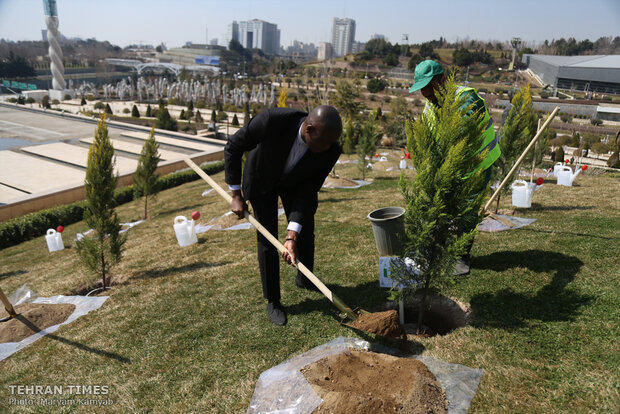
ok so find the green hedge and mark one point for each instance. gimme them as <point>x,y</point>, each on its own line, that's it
<point>33,225</point>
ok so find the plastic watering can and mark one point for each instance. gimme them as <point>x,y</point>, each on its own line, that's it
<point>185,231</point>
<point>54,240</point>
<point>566,176</point>
<point>557,167</point>
<point>403,164</point>
<point>522,193</point>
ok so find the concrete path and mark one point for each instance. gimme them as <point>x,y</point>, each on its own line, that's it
<point>7,194</point>
<point>78,156</point>
<point>33,175</point>
<point>137,149</point>
<point>175,142</point>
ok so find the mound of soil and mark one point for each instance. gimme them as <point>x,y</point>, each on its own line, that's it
<point>367,382</point>
<point>332,182</point>
<point>31,318</point>
<point>381,323</point>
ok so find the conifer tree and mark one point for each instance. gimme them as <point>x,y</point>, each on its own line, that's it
<point>148,111</point>
<point>442,206</point>
<point>214,115</point>
<point>367,144</point>
<point>235,120</point>
<point>516,133</point>
<point>246,113</point>
<point>164,120</point>
<point>348,137</point>
<point>146,182</point>
<point>134,112</point>
<point>108,110</point>
<point>82,101</point>
<point>102,251</point>
<point>198,117</point>
<point>282,98</point>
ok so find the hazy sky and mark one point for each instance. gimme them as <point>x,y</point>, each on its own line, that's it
<point>175,22</point>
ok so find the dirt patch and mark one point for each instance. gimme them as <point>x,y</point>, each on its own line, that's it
<point>332,182</point>
<point>86,288</point>
<point>442,315</point>
<point>31,318</point>
<point>367,382</point>
<point>227,221</point>
<point>380,323</point>
<point>386,166</point>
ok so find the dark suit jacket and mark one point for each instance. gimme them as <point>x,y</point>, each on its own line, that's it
<point>269,138</point>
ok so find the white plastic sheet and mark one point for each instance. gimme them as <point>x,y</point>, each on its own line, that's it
<point>490,225</point>
<point>83,305</point>
<point>80,236</point>
<point>360,183</point>
<point>284,390</point>
<point>201,228</point>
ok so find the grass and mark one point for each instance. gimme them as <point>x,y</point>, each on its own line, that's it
<point>187,329</point>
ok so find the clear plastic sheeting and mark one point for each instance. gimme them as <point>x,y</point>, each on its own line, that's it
<point>201,228</point>
<point>83,305</point>
<point>284,390</point>
<point>360,183</point>
<point>491,225</point>
<point>22,295</point>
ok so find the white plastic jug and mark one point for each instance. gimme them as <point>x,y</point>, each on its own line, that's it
<point>566,176</point>
<point>522,193</point>
<point>185,231</point>
<point>54,240</point>
<point>557,167</point>
<point>403,164</point>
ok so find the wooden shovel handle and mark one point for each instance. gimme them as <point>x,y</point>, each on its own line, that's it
<point>303,269</point>
<point>7,305</point>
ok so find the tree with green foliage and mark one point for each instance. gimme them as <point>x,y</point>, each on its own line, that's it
<point>346,99</point>
<point>146,182</point>
<point>82,102</point>
<point>614,160</point>
<point>235,120</point>
<point>149,110</point>
<point>282,98</point>
<point>134,112</point>
<point>199,119</point>
<point>108,110</point>
<point>442,206</point>
<point>102,251</point>
<point>246,113</point>
<point>164,120</point>
<point>516,133</point>
<point>45,102</point>
<point>213,115</point>
<point>190,110</point>
<point>367,143</point>
<point>348,137</point>
<point>375,85</point>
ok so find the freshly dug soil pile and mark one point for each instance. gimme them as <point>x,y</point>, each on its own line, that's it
<point>31,318</point>
<point>381,323</point>
<point>367,382</point>
<point>332,182</point>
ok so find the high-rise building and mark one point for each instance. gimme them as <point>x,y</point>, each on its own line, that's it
<point>233,32</point>
<point>326,51</point>
<point>343,36</point>
<point>259,34</point>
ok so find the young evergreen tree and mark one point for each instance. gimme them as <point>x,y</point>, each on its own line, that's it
<point>442,206</point>
<point>246,113</point>
<point>235,120</point>
<point>134,112</point>
<point>198,117</point>
<point>83,102</point>
<point>102,251</point>
<point>282,98</point>
<point>149,110</point>
<point>516,133</point>
<point>164,120</point>
<point>348,137</point>
<point>108,110</point>
<point>367,144</point>
<point>146,182</point>
<point>214,115</point>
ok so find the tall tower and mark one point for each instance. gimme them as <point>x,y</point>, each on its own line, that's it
<point>343,36</point>
<point>53,37</point>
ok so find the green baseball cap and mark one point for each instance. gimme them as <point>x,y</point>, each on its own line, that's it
<point>424,73</point>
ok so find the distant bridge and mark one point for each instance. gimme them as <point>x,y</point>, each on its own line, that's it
<point>173,67</point>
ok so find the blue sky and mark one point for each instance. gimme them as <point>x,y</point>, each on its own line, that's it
<point>175,22</point>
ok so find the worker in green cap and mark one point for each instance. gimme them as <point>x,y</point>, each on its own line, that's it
<point>429,79</point>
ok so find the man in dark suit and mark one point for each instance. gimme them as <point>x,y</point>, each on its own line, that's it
<point>290,155</point>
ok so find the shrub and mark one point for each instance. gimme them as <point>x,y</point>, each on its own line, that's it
<point>32,225</point>
<point>126,110</point>
<point>99,105</point>
<point>83,101</point>
<point>55,102</point>
<point>30,100</point>
<point>596,122</point>
<point>134,112</point>
<point>376,85</point>
<point>566,118</point>
<point>66,97</point>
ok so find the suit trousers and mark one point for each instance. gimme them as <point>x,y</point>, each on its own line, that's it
<point>266,212</point>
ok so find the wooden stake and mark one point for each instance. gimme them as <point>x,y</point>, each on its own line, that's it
<point>518,163</point>
<point>7,305</point>
<point>303,269</point>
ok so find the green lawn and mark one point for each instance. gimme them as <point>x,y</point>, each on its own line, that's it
<point>187,329</point>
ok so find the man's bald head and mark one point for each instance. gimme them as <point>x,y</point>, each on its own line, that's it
<point>321,128</point>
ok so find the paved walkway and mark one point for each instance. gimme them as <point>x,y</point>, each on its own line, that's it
<point>137,149</point>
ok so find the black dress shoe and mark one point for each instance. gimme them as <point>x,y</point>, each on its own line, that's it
<point>276,313</point>
<point>304,283</point>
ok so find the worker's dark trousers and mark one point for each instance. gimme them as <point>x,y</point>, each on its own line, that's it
<point>265,210</point>
<point>487,179</point>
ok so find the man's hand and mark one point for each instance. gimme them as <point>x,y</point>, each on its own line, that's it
<point>238,204</point>
<point>290,254</point>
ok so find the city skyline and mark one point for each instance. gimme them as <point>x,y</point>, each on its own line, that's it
<point>200,21</point>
